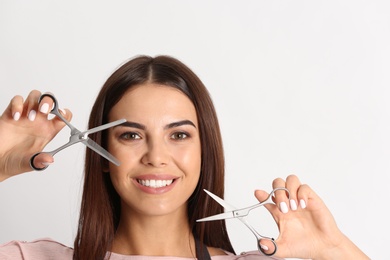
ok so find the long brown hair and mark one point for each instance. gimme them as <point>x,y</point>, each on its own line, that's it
<point>100,206</point>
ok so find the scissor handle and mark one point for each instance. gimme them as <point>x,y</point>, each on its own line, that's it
<point>259,238</point>
<point>56,111</point>
<point>263,250</point>
<point>55,108</point>
<point>52,153</point>
<point>50,95</point>
<point>32,163</point>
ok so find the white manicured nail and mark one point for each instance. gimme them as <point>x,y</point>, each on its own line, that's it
<point>264,247</point>
<point>16,116</point>
<point>293,205</point>
<point>283,207</point>
<point>46,163</point>
<point>31,115</point>
<point>44,108</point>
<point>302,203</point>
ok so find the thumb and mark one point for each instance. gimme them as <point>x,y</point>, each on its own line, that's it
<point>40,161</point>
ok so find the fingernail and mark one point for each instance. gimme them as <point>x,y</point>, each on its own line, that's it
<point>293,205</point>
<point>302,203</point>
<point>16,116</point>
<point>46,163</point>
<point>31,115</point>
<point>44,108</point>
<point>63,111</point>
<point>283,207</point>
<point>264,247</point>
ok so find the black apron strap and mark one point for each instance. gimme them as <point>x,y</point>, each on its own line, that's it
<point>201,251</point>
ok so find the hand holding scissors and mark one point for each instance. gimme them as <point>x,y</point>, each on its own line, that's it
<point>233,212</point>
<point>76,136</point>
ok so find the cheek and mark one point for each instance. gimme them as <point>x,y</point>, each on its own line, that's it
<point>121,175</point>
<point>112,146</point>
<point>118,150</point>
<point>189,160</point>
<point>124,156</point>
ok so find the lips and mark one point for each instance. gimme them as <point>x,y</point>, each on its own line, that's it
<point>156,183</point>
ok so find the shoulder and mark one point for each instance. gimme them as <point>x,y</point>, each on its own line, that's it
<point>45,248</point>
<point>244,256</point>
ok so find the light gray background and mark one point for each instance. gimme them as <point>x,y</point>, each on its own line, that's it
<point>300,87</point>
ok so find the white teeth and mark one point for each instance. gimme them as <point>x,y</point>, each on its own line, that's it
<point>155,183</point>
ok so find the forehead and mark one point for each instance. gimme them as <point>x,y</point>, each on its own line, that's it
<point>154,100</point>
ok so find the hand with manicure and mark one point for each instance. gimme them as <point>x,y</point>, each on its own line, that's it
<point>24,130</point>
<point>307,228</point>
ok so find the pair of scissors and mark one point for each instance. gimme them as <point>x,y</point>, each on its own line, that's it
<point>233,212</point>
<point>76,136</point>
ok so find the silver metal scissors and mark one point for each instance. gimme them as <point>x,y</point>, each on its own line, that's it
<point>76,136</point>
<point>233,212</point>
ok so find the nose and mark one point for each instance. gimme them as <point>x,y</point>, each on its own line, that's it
<point>156,154</point>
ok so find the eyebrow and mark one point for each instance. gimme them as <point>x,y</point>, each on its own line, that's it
<point>133,124</point>
<point>171,125</point>
<point>180,123</point>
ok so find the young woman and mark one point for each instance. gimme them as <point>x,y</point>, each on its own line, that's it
<point>170,149</point>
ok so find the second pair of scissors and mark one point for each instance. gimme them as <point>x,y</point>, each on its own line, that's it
<point>233,212</point>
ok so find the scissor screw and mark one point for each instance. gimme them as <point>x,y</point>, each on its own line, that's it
<point>83,136</point>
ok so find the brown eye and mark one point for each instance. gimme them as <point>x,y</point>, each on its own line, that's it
<point>179,136</point>
<point>130,136</point>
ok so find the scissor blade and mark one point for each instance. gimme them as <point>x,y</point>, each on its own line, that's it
<point>101,151</point>
<point>224,204</point>
<point>225,215</point>
<point>103,127</point>
<point>220,201</point>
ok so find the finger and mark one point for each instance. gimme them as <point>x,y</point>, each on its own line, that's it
<point>42,160</point>
<point>281,198</point>
<point>32,104</point>
<point>292,184</point>
<point>15,108</point>
<point>267,246</point>
<point>261,196</point>
<point>66,113</point>
<point>46,105</point>
<point>58,123</point>
<point>305,193</point>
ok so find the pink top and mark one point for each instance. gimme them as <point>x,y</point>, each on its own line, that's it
<point>48,249</point>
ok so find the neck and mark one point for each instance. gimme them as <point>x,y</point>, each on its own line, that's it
<point>167,235</point>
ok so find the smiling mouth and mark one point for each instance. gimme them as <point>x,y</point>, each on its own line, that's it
<point>155,183</point>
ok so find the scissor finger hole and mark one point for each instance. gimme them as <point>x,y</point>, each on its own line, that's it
<point>34,163</point>
<point>49,99</point>
<point>280,193</point>
<point>267,246</point>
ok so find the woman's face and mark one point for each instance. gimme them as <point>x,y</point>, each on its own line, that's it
<point>159,150</point>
